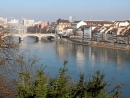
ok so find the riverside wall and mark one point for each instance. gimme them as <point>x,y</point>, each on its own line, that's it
<point>97,44</point>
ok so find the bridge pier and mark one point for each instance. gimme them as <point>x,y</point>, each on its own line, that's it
<point>20,39</point>
<point>38,39</point>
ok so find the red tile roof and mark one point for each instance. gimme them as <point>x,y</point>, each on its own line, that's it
<point>97,28</point>
<point>97,23</point>
<point>62,21</point>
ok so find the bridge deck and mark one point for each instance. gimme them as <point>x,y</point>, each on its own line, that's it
<point>21,36</point>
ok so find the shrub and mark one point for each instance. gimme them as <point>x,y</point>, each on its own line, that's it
<point>62,86</point>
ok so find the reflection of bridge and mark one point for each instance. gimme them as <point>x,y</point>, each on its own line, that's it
<point>37,35</point>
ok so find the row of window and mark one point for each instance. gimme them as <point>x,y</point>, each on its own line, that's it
<point>64,23</point>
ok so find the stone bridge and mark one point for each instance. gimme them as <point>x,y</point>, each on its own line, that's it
<point>37,35</point>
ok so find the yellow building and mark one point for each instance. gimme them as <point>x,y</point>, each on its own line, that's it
<point>61,24</point>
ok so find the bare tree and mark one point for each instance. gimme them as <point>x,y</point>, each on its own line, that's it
<point>7,54</point>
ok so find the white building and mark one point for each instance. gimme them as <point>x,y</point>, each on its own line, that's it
<point>121,24</point>
<point>84,30</point>
<point>27,22</point>
<point>72,19</point>
<point>67,31</point>
<point>31,22</point>
<point>14,21</point>
<point>87,32</point>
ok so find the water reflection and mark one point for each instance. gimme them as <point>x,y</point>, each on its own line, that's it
<point>115,63</point>
<point>80,58</point>
<point>92,54</point>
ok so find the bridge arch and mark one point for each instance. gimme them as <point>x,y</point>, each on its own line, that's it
<point>10,35</point>
<point>37,37</point>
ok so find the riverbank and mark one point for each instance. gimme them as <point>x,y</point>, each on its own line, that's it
<point>97,44</point>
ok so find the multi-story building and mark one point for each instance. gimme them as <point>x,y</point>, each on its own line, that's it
<point>61,24</point>
<point>68,31</point>
<point>72,19</point>
<point>43,24</point>
<point>27,22</point>
<point>31,22</point>
<point>14,21</point>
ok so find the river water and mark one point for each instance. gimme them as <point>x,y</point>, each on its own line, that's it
<point>114,63</point>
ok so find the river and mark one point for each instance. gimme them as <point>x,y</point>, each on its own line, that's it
<point>85,59</point>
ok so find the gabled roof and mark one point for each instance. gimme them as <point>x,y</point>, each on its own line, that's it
<point>127,32</point>
<point>106,30</point>
<point>81,23</point>
<point>98,22</point>
<point>103,29</point>
<point>113,29</point>
<point>120,21</point>
<point>62,21</point>
<point>120,29</point>
<point>121,32</point>
<point>109,29</point>
<point>97,28</point>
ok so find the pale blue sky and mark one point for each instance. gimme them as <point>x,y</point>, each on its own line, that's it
<point>51,10</point>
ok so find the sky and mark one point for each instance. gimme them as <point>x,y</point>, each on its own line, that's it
<point>51,10</point>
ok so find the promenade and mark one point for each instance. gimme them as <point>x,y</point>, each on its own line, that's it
<point>97,44</point>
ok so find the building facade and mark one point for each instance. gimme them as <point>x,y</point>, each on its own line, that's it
<point>14,21</point>
<point>27,22</point>
<point>61,24</point>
